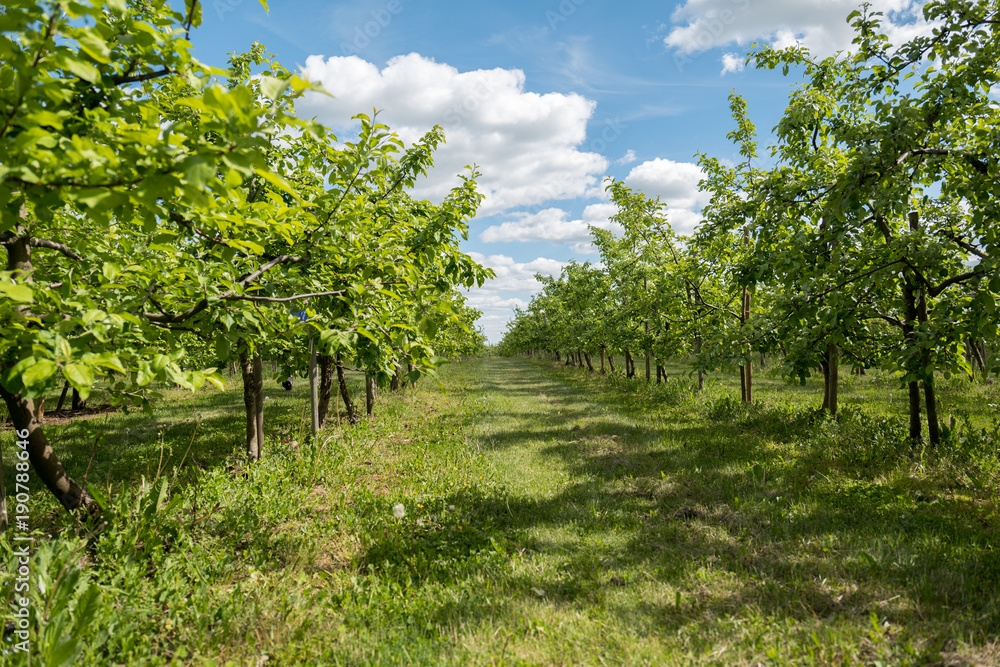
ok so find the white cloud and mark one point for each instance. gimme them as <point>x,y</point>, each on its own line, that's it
<point>628,158</point>
<point>676,183</point>
<point>514,276</point>
<point>513,286</point>
<point>732,62</point>
<point>819,25</point>
<point>527,145</point>
<point>550,225</point>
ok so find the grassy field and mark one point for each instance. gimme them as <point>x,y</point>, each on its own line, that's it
<point>551,517</point>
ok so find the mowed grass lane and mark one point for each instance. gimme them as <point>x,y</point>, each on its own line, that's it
<point>601,522</point>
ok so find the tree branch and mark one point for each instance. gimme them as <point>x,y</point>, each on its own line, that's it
<point>52,245</point>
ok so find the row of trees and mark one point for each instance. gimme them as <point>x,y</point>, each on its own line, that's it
<point>872,238</point>
<point>158,213</point>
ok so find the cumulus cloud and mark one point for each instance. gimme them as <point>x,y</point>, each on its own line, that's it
<point>819,25</point>
<point>676,183</point>
<point>628,158</point>
<point>528,146</point>
<point>514,276</point>
<point>552,225</point>
<point>513,286</point>
<point>732,62</point>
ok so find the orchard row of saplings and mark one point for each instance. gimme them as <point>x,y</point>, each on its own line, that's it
<point>873,240</point>
<point>163,220</point>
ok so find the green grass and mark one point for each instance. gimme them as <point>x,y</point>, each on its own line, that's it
<point>552,517</point>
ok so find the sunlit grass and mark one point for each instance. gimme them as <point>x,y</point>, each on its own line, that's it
<point>549,516</point>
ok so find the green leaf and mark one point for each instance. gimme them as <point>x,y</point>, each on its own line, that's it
<point>272,87</point>
<point>111,270</point>
<point>105,360</point>
<point>38,373</point>
<point>79,375</point>
<point>17,292</point>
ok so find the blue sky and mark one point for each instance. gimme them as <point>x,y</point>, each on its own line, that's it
<point>548,98</point>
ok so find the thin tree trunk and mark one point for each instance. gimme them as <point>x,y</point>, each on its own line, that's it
<point>352,415</point>
<point>43,458</point>
<point>78,403</point>
<point>977,354</point>
<point>611,363</point>
<point>629,365</point>
<point>62,396</point>
<point>909,338</point>
<point>930,399</point>
<point>747,374</point>
<point>648,353</point>
<point>254,425</point>
<point>394,381</point>
<point>313,387</point>
<point>590,366</point>
<point>258,368</point>
<point>832,378</point>
<point>325,386</point>
<point>369,395</point>
<point>603,351</point>
<point>701,373</point>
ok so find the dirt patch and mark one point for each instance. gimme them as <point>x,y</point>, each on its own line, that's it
<point>65,416</point>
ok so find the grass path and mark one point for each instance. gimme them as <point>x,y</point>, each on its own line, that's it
<point>603,526</point>
<point>550,517</point>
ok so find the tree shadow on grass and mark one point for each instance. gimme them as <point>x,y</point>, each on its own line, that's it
<point>733,515</point>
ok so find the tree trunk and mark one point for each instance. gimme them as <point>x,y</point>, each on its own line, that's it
<point>352,415</point>
<point>369,395</point>
<point>648,353</point>
<point>78,403</point>
<point>394,381</point>
<point>611,363</point>
<point>603,352</point>
<point>43,459</point>
<point>980,351</point>
<point>579,359</point>
<point>325,386</point>
<point>930,399</point>
<point>747,374</point>
<point>701,373</point>
<point>258,370</point>
<point>313,387</point>
<point>909,338</point>
<point>252,370</point>
<point>62,396</point>
<point>831,373</point>
<point>590,366</point>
